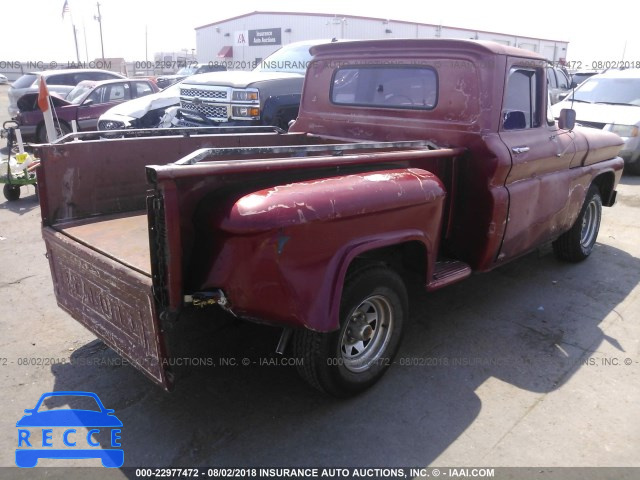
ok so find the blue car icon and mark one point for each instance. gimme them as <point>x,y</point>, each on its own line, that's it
<point>35,433</point>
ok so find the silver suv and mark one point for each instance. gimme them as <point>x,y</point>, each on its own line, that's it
<point>559,84</point>
<point>58,81</point>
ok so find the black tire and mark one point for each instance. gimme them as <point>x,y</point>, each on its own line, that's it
<point>62,129</point>
<point>11,192</point>
<point>577,244</point>
<point>373,311</point>
<point>632,168</point>
<point>282,120</point>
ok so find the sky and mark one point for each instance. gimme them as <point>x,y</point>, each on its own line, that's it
<point>39,33</point>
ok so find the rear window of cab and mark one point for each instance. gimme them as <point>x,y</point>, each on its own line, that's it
<point>398,86</point>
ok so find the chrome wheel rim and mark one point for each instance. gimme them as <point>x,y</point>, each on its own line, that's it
<point>367,333</point>
<point>589,225</point>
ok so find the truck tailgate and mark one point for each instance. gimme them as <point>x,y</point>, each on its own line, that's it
<point>110,298</point>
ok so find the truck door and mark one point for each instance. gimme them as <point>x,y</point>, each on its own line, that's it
<point>539,180</point>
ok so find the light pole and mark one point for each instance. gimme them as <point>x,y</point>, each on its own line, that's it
<point>99,19</point>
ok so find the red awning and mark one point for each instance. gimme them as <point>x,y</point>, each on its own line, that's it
<point>225,52</point>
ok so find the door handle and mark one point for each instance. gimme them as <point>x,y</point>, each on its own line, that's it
<point>517,150</point>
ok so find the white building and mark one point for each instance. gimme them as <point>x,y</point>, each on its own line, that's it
<point>241,41</point>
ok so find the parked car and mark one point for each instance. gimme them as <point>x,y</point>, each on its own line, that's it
<point>559,83</point>
<point>84,104</point>
<point>610,101</point>
<point>267,95</point>
<point>3,79</point>
<point>580,76</point>
<point>58,81</point>
<point>140,112</point>
<point>166,80</point>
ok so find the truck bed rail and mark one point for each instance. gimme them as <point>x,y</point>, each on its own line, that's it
<point>298,151</point>
<point>163,132</point>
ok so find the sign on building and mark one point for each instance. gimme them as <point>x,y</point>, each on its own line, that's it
<point>265,36</point>
<point>241,38</point>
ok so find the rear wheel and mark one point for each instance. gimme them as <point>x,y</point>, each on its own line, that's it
<point>11,192</point>
<point>577,244</point>
<point>372,315</point>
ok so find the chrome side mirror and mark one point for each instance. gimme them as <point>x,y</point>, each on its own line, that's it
<point>567,120</point>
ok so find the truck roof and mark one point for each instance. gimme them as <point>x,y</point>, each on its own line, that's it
<point>405,44</point>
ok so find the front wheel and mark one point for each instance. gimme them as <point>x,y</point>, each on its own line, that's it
<point>11,192</point>
<point>61,129</point>
<point>373,311</point>
<point>577,244</point>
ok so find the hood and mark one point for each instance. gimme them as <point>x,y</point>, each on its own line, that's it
<point>138,107</point>
<point>29,102</point>
<point>601,113</point>
<point>237,79</point>
<point>170,77</point>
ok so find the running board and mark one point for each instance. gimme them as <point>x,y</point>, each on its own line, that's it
<point>447,272</point>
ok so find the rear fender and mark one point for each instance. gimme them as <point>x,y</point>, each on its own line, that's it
<point>337,276</point>
<point>283,253</point>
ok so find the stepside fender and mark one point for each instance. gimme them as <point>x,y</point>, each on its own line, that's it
<point>285,250</point>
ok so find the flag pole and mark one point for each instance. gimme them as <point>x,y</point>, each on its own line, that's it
<point>86,49</point>
<point>75,38</point>
<point>75,35</point>
<point>65,9</point>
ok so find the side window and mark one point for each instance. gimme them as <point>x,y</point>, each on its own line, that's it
<point>97,76</point>
<point>563,80</point>
<point>62,79</point>
<point>119,92</point>
<point>142,89</point>
<point>98,95</point>
<point>522,103</point>
<point>79,77</point>
<point>551,78</point>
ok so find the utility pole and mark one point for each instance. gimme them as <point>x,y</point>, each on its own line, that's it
<point>99,19</point>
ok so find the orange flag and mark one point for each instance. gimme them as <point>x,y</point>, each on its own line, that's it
<point>47,113</point>
<point>43,95</point>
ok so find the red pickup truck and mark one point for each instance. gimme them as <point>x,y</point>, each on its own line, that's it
<point>410,161</point>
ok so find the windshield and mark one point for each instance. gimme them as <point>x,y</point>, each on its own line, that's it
<point>293,59</point>
<point>187,71</point>
<point>623,91</point>
<point>77,95</point>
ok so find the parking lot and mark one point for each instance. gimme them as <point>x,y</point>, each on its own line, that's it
<point>535,364</point>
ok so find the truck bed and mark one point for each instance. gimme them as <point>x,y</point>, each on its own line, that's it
<point>122,237</point>
<point>104,202</point>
